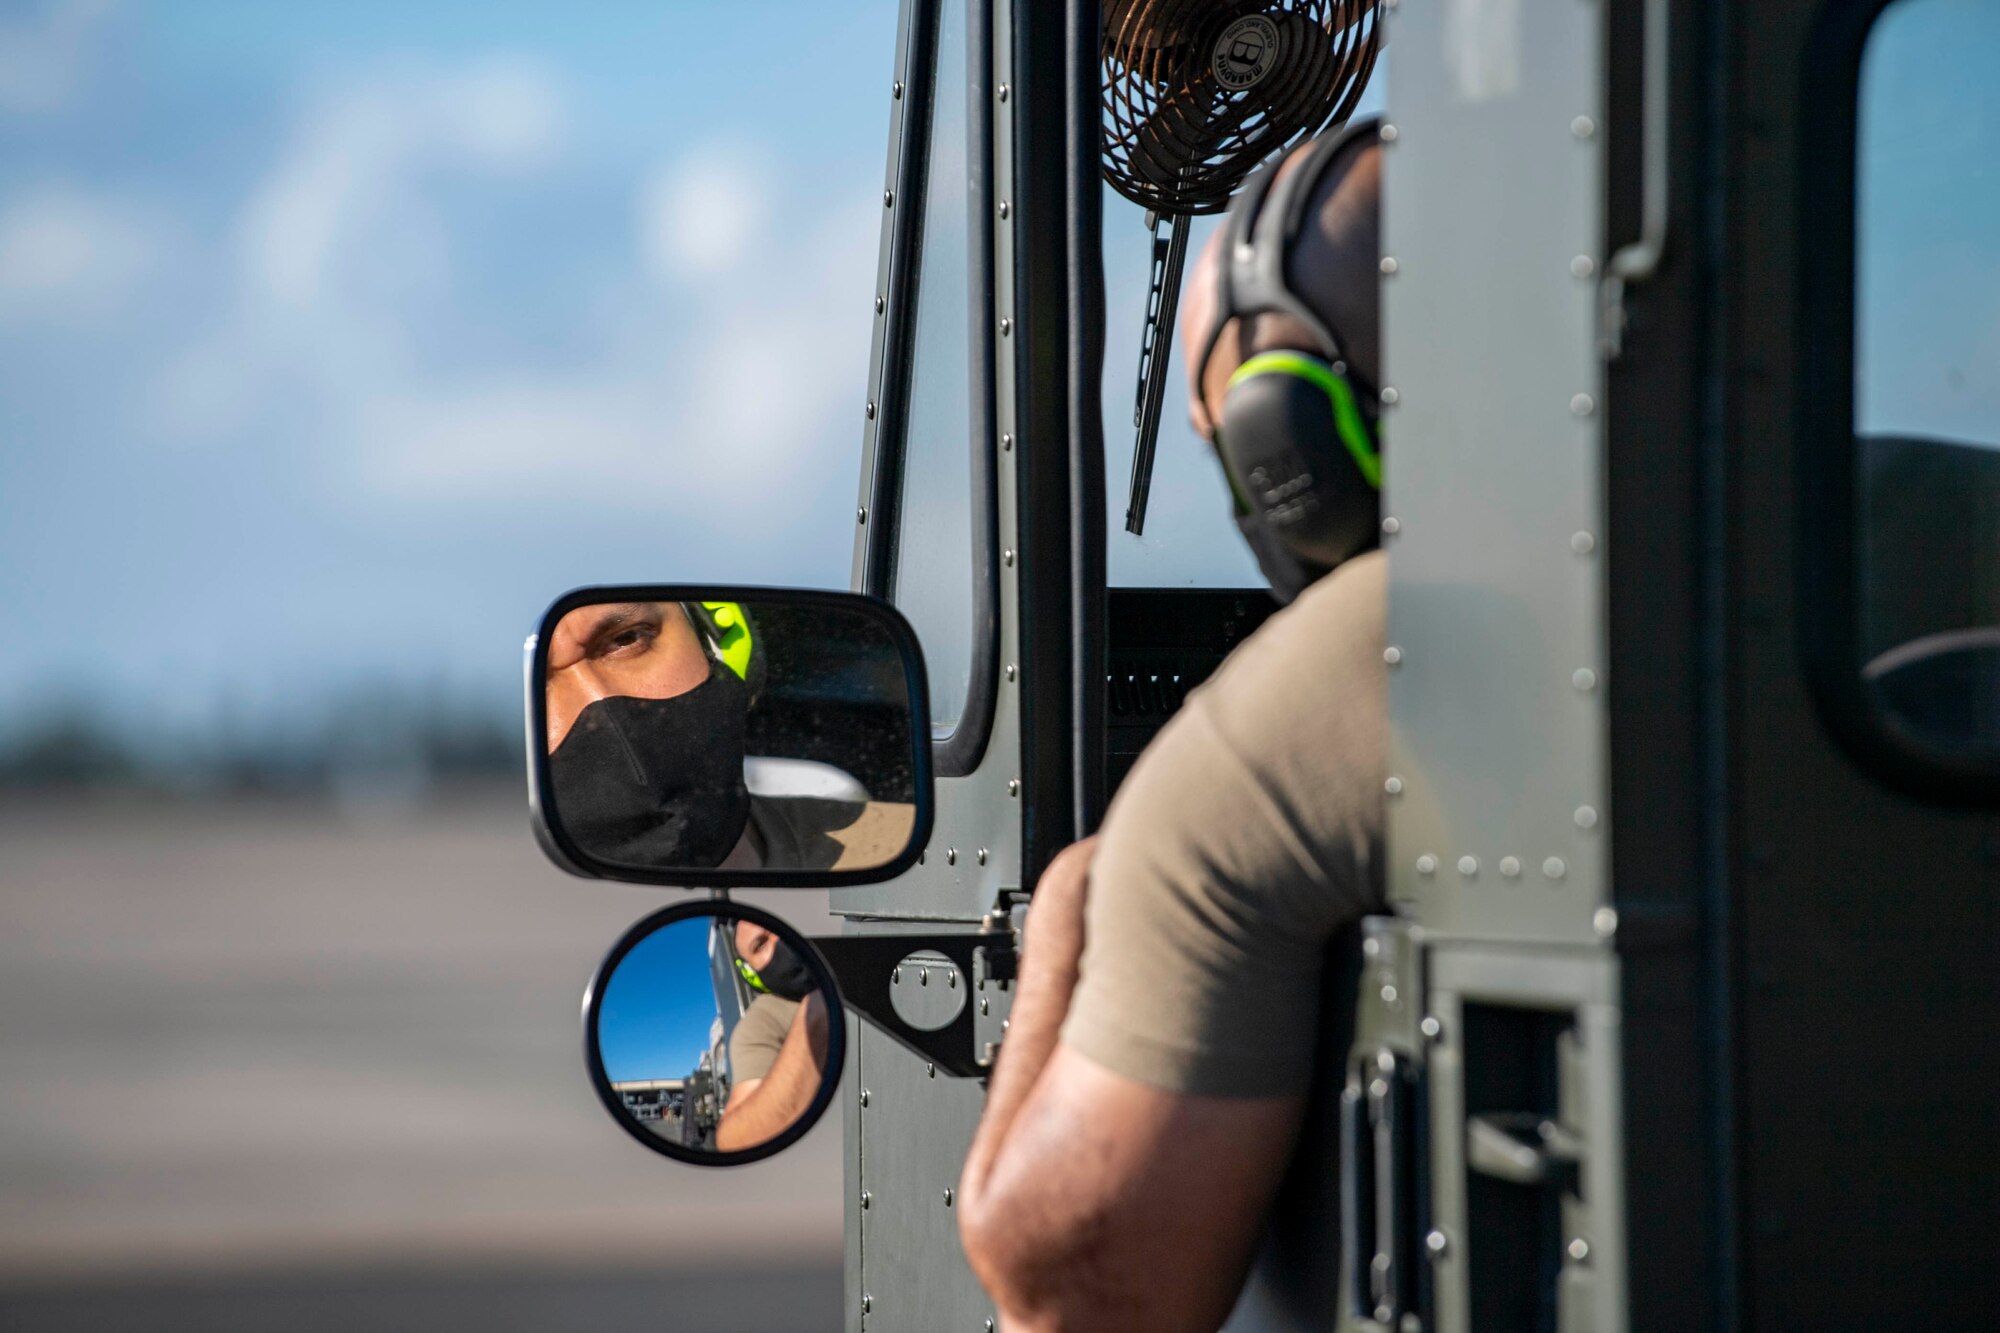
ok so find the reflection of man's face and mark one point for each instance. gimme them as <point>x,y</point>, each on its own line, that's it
<point>754,944</point>
<point>645,650</point>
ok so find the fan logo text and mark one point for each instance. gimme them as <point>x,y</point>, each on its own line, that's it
<point>1247,50</point>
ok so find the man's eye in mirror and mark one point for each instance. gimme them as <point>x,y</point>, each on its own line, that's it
<point>691,733</point>
<point>714,1036</point>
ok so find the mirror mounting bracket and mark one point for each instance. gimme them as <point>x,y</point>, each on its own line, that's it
<point>966,1046</point>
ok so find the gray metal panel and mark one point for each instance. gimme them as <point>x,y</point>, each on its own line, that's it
<point>912,1136</point>
<point>1492,213</point>
<point>975,848</point>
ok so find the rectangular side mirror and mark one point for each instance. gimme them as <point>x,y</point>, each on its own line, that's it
<point>709,735</point>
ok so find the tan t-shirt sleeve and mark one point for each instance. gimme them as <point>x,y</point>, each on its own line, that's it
<point>1245,835</point>
<point>759,1035</point>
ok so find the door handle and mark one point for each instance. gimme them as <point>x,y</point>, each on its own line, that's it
<point>1523,1149</point>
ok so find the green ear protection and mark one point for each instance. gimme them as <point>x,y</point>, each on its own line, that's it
<point>1297,437</point>
<point>731,639</point>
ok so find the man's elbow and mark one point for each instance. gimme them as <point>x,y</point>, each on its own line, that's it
<point>1027,1267</point>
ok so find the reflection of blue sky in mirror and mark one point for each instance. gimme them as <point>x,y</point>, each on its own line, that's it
<point>659,1005</point>
<point>1927,290</point>
<point>336,339</point>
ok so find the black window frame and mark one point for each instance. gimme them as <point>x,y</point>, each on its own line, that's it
<point>1830,571</point>
<point>959,751</point>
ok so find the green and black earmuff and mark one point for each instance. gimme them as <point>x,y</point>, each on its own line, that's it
<point>729,636</point>
<point>1297,437</point>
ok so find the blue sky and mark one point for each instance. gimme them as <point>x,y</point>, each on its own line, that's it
<point>659,1005</point>
<point>336,339</point>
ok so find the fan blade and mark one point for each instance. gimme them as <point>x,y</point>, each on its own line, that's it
<point>1155,351</point>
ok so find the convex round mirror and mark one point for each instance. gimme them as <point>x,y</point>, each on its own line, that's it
<point>719,736</point>
<point>713,1033</point>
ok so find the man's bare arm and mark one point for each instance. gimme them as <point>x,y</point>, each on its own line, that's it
<point>760,1109</point>
<point>1091,1200</point>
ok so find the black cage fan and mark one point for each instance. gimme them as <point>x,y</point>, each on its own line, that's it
<point>1197,94</point>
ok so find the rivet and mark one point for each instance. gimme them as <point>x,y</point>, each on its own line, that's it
<point>1427,864</point>
<point>1584,679</point>
<point>1583,127</point>
<point>1394,786</point>
<point>888,198</point>
<point>1003,92</point>
<point>1388,134</point>
<point>1468,866</point>
<point>861,516</point>
<point>864,1096</point>
<point>1388,265</point>
<point>984,1005</point>
<point>1013,786</point>
<point>1435,1242</point>
<point>1430,1027</point>
<point>930,1070</point>
<point>1586,816</point>
<point>1605,922</point>
<point>947,1198</point>
<point>1392,655</point>
<point>1579,1249</point>
<point>869,411</point>
<point>896,88</point>
<point>923,976</point>
<point>867,1302</point>
<point>951,856</point>
<point>866,1198</point>
<point>1006,210</point>
<point>1510,867</point>
<point>1388,994</point>
<point>1010,671</point>
<point>1006,443</point>
<point>1384,1313</point>
<point>1371,947</point>
<point>1583,266</point>
<point>1390,397</point>
<point>989,1326</point>
<point>1006,326</point>
<point>1554,867</point>
<point>1582,405</point>
<point>980,856</point>
<point>1391,526</point>
<point>879,305</point>
<point>895,976</point>
<point>1007,557</point>
<point>1582,543</point>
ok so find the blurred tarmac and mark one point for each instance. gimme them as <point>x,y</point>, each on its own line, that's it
<point>293,1064</point>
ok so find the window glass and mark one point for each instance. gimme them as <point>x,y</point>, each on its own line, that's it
<point>1927,369</point>
<point>1191,539</point>
<point>933,583</point>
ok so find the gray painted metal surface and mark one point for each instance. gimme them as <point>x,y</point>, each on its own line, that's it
<point>907,1129</point>
<point>1494,189</point>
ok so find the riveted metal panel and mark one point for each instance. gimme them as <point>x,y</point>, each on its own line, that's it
<point>910,1139</point>
<point>974,853</point>
<point>1493,500</point>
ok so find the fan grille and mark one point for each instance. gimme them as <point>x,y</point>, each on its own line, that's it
<point>1197,94</point>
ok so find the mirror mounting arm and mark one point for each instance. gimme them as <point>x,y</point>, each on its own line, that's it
<point>963,1048</point>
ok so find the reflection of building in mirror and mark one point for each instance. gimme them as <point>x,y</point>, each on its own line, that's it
<point>711,1034</point>
<point>706,735</point>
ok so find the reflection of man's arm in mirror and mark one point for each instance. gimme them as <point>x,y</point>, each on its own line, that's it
<point>764,1107</point>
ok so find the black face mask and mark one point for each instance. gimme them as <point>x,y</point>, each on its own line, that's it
<point>1288,573</point>
<point>786,976</point>
<point>657,783</point>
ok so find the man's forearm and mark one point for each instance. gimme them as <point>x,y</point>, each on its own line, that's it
<point>768,1109</point>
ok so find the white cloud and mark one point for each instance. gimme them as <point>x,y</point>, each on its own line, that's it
<point>67,257</point>
<point>359,155</point>
<point>703,215</point>
<point>732,347</point>
<point>42,58</point>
